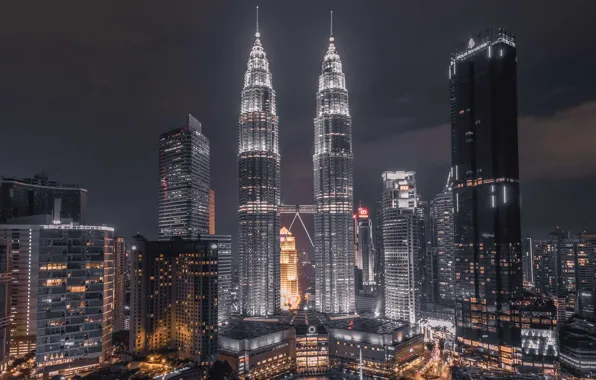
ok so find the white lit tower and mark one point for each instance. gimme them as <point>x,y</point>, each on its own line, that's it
<point>258,188</point>
<point>333,190</point>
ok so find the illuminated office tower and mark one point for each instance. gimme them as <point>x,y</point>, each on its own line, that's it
<point>401,243</point>
<point>333,190</point>
<point>174,296</point>
<point>365,251</point>
<point>185,182</point>
<point>62,293</point>
<point>487,237</point>
<point>120,263</point>
<point>258,188</point>
<point>290,295</point>
<point>442,226</point>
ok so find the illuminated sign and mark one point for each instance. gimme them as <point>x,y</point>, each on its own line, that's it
<point>312,329</point>
<point>404,187</point>
<point>362,212</point>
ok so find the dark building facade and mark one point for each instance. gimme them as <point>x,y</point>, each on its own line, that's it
<point>40,196</point>
<point>442,244</point>
<point>174,296</point>
<point>185,182</point>
<point>487,238</point>
<point>545,267</point>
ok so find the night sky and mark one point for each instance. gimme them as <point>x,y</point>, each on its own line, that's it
<point>87,87</point>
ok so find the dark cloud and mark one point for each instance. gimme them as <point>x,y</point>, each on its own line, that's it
<point>87,87</point>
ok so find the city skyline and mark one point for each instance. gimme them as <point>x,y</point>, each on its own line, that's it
<point>397,111</point>
<point>491,272</point>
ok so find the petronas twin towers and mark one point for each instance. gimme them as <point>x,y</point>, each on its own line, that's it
<point>259,190</point>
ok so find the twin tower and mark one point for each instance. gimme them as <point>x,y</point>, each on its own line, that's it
<point>259,190</point>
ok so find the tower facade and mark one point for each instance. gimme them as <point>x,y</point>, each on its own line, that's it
<point>185,182</point>
<point>401,243</point>
<point>120,264</point>
<point>258,189</point>
<point>442,235</point>
<point>290,296</point>
<point>365,251</point>
<point>333,190</point>
<point>487,237</point>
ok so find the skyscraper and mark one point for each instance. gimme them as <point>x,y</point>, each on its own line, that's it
<point>365,251</point>
<point>487,203</point>
<point>258,188</point>
<point>527,259</point>
<point>333,190</point>
<point>442,226</point>
<point>401,244</point>
<point>545,267</point>
<point>62,293</point>
<point>185,182</point>
<point>174,296</point>
<point>290,295</point>
<point>40,196</point>
<point>120,264</point>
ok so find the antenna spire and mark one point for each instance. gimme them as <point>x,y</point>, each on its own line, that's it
<point>331,26</point>
<point>257,34</point>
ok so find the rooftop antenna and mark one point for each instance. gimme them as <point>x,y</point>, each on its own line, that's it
<point>331,27</point>
<point>257,34</point>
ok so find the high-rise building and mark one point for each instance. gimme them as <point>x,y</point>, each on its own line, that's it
<point>575,274</point>
<point>365,250</point>
<point>62,293</point>
<point>120,263</point>
<point>488,273</point>
<point>427,263</point>
<point>401,243</point>
<point>290,295</point>
<point>258,188</point>
<point>212,212</point>
<point>545,270</point>
<point>5,297</point>
<point>333,190</point>
<point>40,196</point>
<point>185,182</point>
<point>442,245</point>
<point>527,259</point>
<point>174,296</point>
<point>224,277</point>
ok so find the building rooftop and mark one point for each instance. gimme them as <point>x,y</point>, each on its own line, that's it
<point>373,326</point>
<point>238,329</point>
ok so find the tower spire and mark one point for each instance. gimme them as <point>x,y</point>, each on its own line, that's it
<point>257,34</point>
<point>331,26</point>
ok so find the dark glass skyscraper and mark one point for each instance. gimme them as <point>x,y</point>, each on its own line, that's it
<point>333,188</point>
<point>40,196</point>
<point>258,189</point>
<point>485,168</point>
<point>185,182</point>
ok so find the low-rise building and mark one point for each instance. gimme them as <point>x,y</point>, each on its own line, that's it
<point>577,342</point>
<point>373,348</point>
<point>258,350</point>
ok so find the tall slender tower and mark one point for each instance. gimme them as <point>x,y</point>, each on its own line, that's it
<point>258,188</point>
<point>333,188</point>
<point>185,181</point>
<point>487,234</point>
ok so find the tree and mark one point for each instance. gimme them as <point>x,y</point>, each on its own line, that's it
<point>221,370</point>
